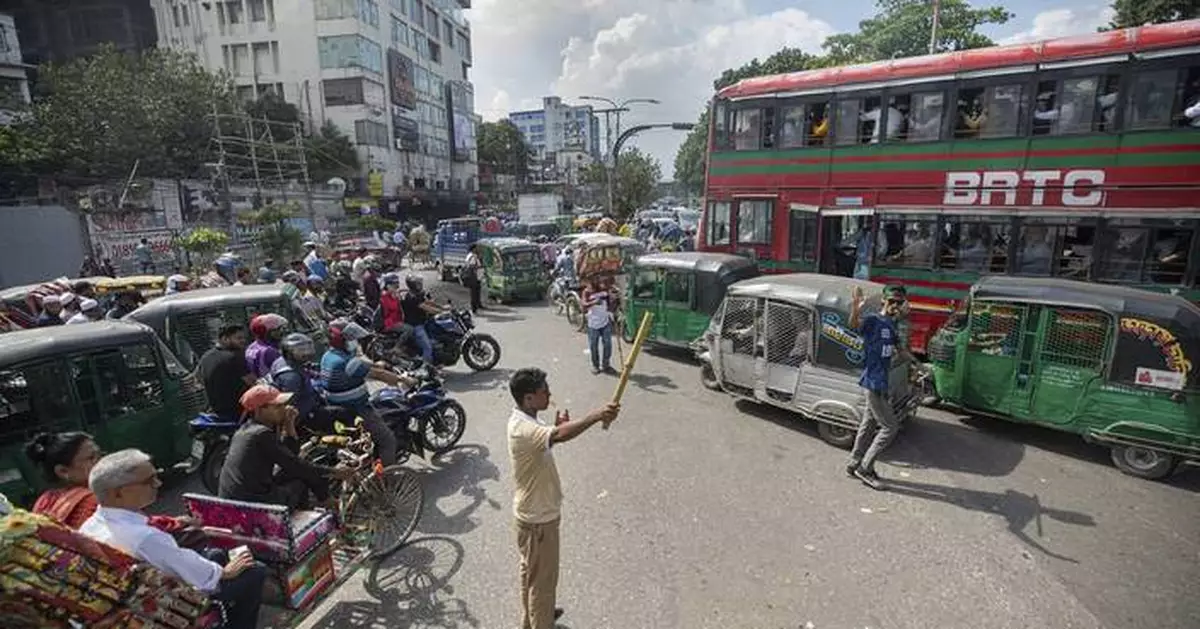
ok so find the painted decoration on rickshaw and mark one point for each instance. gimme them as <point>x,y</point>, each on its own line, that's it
<point>52,577</point>
<point>838,346</point>
<point>599,260</point>
<point>1151,355</point>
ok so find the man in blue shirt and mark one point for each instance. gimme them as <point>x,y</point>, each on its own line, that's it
<point>345,375</point>
<point>881,341</point>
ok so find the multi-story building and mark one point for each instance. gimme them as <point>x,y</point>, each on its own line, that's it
<point>14,82</point>
<point>392,74</point>
<point>60,31</point>
<point>558,127</point>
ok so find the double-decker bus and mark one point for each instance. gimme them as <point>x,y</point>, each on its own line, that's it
<point>1076,157</point>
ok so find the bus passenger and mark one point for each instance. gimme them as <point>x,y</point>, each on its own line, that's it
<point>1035,254</point>
<point>974,254</point>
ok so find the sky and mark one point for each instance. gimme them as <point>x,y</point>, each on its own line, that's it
<point>671,50</point>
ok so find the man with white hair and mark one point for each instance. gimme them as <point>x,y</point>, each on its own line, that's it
<point>125,484</point>
<point>89,311</point>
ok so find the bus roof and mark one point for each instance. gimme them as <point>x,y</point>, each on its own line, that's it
<point>951,65</point>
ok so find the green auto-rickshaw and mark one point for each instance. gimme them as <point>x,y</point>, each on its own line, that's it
<point>113,379</point>
<point>189,322</point>
<point>683,290</point>
<point>1116,365</point>
<point>513,269</point>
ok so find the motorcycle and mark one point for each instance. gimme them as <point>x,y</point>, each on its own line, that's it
<point>424,418</point>
<point>451,334</point>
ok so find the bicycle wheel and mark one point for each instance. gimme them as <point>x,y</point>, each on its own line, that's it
<point>385,510</point>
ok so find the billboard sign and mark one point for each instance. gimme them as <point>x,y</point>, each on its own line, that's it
<point>400,74</point>
<point>459,105</point>
<point>406,133</point>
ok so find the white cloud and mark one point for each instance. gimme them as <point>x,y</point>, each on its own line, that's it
<point>670,50</point>
<point>1062,23</point>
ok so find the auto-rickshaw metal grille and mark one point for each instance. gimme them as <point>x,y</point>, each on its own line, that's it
<point>740,329</point>
<point>996,328</point>
<point>1076,338</point>
<point>787,345</point>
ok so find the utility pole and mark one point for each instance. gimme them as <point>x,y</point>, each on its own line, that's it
<point>617,108</point>
<point>933,30</point>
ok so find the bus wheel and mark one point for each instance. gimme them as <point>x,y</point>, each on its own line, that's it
<point>835,435</point>
<point>1143,462</point>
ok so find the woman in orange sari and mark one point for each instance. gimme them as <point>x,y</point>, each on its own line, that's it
<point>66,459</point>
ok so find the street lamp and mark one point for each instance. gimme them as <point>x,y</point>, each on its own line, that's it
<point>677,126</point>
<point>617,108</point>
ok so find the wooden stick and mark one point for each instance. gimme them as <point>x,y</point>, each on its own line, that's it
<point>627,369</point>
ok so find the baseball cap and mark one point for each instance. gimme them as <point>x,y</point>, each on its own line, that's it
<point>261,395</point>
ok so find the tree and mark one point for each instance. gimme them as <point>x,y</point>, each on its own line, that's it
<point>283,116</point>
<point>94,117</point>
<point>638,175</point>
<point>205,243</point>
<point>330,153</point>
<point>502,147</point>
<point>901,28</point>
<point>1138,12</point>
<point>278,241</point>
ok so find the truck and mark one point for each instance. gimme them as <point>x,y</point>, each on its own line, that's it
<point>452,241</point>
<point>539,208</point>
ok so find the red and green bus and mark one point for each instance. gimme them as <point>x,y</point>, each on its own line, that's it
<point>1076,157</point>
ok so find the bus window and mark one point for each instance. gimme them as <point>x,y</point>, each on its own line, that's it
<point>1035,250</point>
<point>925,119</point>
<point>1151,99</point>
<point>975,245</point>
<point>818,123</point>
<point>721,139</point>
<point>747,129</point>
<point>1123,252</point>
<point>768,128</point>
<point>754,222</point>
<point>1003,110</point>
<point>1190,116</point>
<point>802,236</point>
<point>793,127</point>
<point>1061,250</point>
<point>1150,251</point>
<point>969,118</point>
<point>857,119</point>
<point>906,242</point>
<point>1077,105</point>
<point>1167,255</point>
<point>717,223</point>
<point>894,119</point>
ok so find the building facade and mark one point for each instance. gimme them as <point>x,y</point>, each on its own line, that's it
<point>57,31</point>
<point>14,80</point>
<point>391,74</point>
<point>558,127</point>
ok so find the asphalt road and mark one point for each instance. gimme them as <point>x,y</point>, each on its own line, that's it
<point>695,511</point>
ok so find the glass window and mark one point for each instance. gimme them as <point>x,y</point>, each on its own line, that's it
<point>676,287</point>
<point>1167,255</point>
<point>906,241</point>
<point>747,129</point>
<point>448,33</point>
<point>817,123</point>
<point>1124,253</point>
<point>1190,116</point>
<point>233,11</point>
<point>792,127</point>
<point>1150,251</point>
<point>33,398</point>
<point>1080,105</point>
<point>431,21</point>
<point>335,9</point>
<point>399,33</point>
<point>258,10</point>
<point>343,91</point>
<point>717,224</point>
<point>847,122</point>
<point>435,52</point>
<point>802,236</point>
<point>1004,108</point>
<point>368,12</point>
<point>1151,99</point>
<point>644,284</point>
<point>974,243</point>
<point>1055,249</point>
<point>345,51</point>
<point>925,120</point>
<point>754,222</point>
<point>721,139</point>
<point>119,381</point>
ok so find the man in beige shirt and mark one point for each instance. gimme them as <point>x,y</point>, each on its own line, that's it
<point>537,502</point>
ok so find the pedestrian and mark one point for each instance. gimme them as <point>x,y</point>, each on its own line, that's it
<point>880,343</point>
<point>537,501</point>
<point>473,277</point>
<point>145,257</point>
<point>598,304</point>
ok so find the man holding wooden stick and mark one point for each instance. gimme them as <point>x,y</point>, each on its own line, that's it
<point>537,503</point>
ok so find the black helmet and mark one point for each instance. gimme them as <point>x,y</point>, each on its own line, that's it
<point>414,283</point>
<point>299,347</point>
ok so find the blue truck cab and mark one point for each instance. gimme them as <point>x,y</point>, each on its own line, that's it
<point>451,242</point>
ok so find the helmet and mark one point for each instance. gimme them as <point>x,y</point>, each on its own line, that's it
<point>266,275</point>
<point>298,347</point>
<point>292,277</point>
<point>391,279</point>
<point>414,283</point>
<point>268,326</point>
<point>314,279</point>
<point>177,282</point>
<point>373,262</point>
<point>344,331</point>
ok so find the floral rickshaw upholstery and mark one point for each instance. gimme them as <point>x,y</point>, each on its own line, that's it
<point>295,544</point>
<point>52,577</point>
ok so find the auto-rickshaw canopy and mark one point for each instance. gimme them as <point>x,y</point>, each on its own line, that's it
<point>714,272</point>
<point>599,253</point>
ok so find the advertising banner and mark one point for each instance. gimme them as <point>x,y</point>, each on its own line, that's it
<point>405,131</point>
<point>400,75</point>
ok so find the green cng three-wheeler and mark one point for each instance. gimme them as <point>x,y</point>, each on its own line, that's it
<point>683,290</point>
<point>113,379</point>
<point>189,322</point>
<point>1115,365</point>
<point>512,269</point>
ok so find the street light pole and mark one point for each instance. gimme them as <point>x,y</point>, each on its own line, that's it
<point>678,126</point>
<point>617,108</point>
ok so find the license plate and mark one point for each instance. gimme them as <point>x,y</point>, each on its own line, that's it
<point>197,449</point>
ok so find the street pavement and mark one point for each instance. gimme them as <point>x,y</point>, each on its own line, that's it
<point>694,511</point>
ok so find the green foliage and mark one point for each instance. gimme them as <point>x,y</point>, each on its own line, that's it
<point>283,116</point>
<point>277,240</point>
<point>375,223</point>
<point>689,161</point>
<point>502,147</point>
<point>637,177</point>
<point>205,243</point>
<point>786,60</point>
<point>1139,12</point>
<point>330,154</point>
<point>93,117</point>
<point>901,29</point>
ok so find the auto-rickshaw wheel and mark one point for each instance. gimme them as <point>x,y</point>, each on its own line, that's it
<point>1143,462</point>
<point>835,435</point>
<point>708,377</point>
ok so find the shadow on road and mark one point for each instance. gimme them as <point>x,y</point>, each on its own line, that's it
<point>462,470</point>
<point>478,380</point>
<point>652,383</point>
<point>1018,509</point>
<point>412,589</point>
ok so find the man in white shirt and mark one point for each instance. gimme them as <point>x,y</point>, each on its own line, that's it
<point>537,502</point>
<point>894,119</point>
<point>125,483</point>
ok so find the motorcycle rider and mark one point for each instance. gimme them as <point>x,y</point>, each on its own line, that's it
<point>370,281</point>
<point>178,284</point>
<point>268,330</point>
<point>392,321</point>
<point>418,307</point>
<point>290,374</point>
<point>564,271</point>
<point>345,289</point>
<point>345,374</point>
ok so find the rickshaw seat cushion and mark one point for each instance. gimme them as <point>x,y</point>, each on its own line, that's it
<point>275,534</point>
<point>52,576</point>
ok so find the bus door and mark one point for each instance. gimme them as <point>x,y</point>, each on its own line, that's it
<point>843,233</point>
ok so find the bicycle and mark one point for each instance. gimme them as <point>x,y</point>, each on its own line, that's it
<point>380,505</point>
